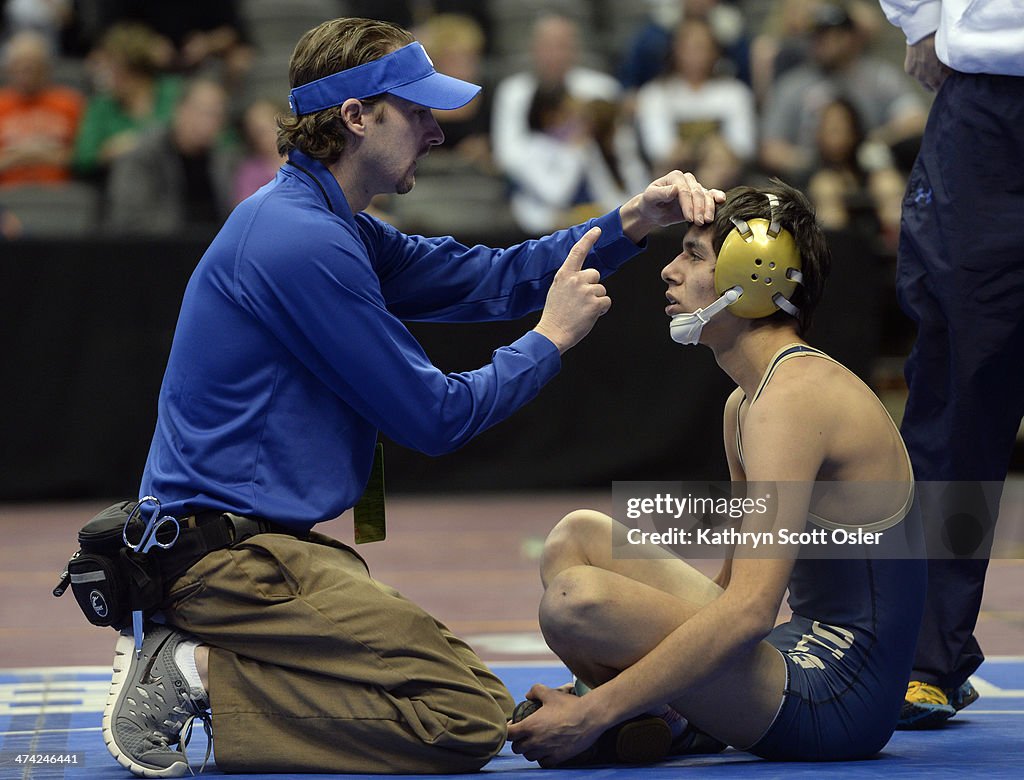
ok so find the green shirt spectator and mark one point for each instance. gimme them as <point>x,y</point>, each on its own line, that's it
<point>108,131</point>
<point>133,93</point>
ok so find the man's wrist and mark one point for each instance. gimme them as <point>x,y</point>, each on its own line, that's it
<point>635,226</point>
<point>553,337</point>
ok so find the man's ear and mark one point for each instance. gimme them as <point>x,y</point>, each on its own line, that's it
<point>354,114</point>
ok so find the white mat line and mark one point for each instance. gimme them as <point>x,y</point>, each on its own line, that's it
<point>51,731</point>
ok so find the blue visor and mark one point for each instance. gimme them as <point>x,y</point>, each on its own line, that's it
<point>406,72</point>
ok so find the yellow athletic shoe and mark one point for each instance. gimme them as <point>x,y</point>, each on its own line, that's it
<point>925,706</point>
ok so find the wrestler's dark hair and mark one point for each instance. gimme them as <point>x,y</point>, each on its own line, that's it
<point>796,214</point>
<point>335,45</point>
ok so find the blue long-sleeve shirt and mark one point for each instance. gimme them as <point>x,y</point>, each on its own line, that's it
<point>290,353</point>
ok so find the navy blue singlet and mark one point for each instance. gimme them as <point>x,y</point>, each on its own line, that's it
<point>848,648</point>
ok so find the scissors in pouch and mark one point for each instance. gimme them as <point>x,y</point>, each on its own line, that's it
<point>158,531</point>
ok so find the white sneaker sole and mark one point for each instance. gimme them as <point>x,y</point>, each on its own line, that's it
<point>124,659</point>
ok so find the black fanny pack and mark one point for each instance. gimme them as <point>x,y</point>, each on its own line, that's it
<point>110,580</point>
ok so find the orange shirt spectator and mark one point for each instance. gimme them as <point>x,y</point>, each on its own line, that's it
<point>38,120</point>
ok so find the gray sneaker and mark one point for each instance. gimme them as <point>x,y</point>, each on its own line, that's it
<point>150,707</point>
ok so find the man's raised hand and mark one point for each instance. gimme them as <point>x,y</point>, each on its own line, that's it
<point>675,197</point>
<point>576,298</point>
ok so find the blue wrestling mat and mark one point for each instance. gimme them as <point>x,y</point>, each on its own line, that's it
<point>50,729</point>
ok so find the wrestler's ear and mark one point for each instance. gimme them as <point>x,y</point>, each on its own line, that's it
<point>355,115</point>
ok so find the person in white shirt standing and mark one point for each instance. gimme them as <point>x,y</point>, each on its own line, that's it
<point>554,56</point>
<point>691,111</point>
<point>961,278</point>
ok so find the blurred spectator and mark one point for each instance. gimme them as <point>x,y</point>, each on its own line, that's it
<point>199,34</point>
<point>885,97</point>
<point>412,14</point>
<point>38,120</point>
<point>573,164</point>
<point>554,53</point>
<point>651,47</point>
<point>132,93</point>
<point>456,45</point>
<point>178,177</point>
<point>785,40</point>
<point>854,186</point>
<point>783,43</point>
<point>259,135</point>
<point>839,176</point>
<point>689,113</point>
<point>46,17</point>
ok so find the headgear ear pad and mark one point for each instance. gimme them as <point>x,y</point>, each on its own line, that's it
<point>763,260</point>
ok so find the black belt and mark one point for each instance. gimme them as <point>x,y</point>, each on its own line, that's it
<point>205,532</point>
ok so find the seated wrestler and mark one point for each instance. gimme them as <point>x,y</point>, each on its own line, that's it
<point>656,640</point>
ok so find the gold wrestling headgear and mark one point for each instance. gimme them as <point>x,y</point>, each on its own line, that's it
<point>761,259</point>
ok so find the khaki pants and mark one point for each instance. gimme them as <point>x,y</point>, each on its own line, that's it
<point>316,667</point>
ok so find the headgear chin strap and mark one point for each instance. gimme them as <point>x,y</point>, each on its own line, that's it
<point>761,259</point>
<point>406,72</point>
<point>686,328</point>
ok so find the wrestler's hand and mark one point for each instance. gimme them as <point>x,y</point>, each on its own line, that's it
<point>924,65</point>
<point>561,729</point>
<point>576,297</point>
<point>675,197</point>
